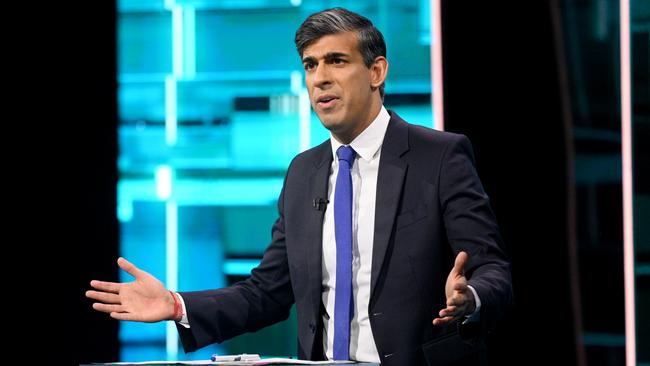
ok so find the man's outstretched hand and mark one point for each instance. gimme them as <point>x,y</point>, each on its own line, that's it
<point>143,300</point>
<point>460,299</point>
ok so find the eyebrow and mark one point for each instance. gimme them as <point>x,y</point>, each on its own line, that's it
<point>328,56</point>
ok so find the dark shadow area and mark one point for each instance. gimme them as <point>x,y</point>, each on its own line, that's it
<point>501,90</point>
<point>96,223</point>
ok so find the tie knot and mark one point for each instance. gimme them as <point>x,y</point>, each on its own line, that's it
<point>346,153</point>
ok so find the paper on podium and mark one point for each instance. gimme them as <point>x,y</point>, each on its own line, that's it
<point>277,361</point>
<point>292,361</point>
<point>263,361</point>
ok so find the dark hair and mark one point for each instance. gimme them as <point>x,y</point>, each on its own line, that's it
<point>337,20</point>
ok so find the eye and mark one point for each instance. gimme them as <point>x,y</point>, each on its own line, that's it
<point>337,61</point>
<point>309,66</point>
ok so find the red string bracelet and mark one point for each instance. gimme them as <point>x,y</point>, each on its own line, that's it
<point>178,309</point>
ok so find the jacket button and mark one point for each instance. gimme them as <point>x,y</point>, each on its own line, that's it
<point>312,327</point>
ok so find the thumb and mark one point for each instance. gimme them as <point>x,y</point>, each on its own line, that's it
<point>459,264</point>
<point>129,268</point>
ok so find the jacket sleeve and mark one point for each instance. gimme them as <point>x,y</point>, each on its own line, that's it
<point>471,226</point>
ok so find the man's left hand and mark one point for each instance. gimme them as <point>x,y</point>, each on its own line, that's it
<point>460,299</point>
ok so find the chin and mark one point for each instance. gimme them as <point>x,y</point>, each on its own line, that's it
<point>330,123</point>
<point>327,120</point>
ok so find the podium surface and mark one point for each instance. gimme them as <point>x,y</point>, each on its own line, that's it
<point>216,364</point>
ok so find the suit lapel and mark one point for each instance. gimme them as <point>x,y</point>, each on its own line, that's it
<point>318,184</point>
<point>390,179</point>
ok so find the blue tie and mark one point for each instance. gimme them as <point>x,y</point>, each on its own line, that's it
<point>343,304</point>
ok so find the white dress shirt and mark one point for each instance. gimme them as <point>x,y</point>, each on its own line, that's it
<point>364,191</point>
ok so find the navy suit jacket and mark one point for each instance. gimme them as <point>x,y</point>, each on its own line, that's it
<point>430,205</point>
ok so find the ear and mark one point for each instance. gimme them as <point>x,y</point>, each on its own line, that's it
<point>378,72</point>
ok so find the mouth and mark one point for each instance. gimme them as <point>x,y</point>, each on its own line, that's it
<point>326,101</point>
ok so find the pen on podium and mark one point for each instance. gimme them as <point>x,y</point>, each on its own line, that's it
<point>216,357</point>
<point>242,357</point>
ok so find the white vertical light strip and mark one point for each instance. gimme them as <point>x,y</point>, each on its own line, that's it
<point>171,118</point>
<point>296,82</point>
<point>305,120</point>
<point>189,42</point>
<point>163,179</point>
<point>171,266</point>
<point>436,66</point>
<point>628,214</point>
<point>171,126</point>
<point>304,110</point>
<point>177,40</point>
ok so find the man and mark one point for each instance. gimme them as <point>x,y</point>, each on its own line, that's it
<point>365,242</point>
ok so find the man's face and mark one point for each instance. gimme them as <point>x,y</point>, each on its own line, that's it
<point>340,85</point>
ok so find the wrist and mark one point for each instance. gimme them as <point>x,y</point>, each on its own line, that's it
<point>178,309</point>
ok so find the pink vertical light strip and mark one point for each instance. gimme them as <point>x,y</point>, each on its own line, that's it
<point>436,65</point>
<point>628,217</point>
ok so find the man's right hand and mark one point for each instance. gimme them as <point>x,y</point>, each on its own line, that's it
<point>143,300</point>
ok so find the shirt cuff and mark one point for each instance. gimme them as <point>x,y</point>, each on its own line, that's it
<point>476,315</point>
<point>184,321</point>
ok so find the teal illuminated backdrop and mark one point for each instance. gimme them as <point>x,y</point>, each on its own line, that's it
<point>212,108</point>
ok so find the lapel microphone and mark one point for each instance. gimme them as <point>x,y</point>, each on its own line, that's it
<point>320,204</point>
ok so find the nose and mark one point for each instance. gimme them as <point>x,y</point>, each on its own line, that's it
<point>322,77</point>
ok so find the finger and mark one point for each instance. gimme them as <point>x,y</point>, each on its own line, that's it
<point>123,316</point>
<point>453,311</point>
<point>457,299</point>
<point>107,308</point>
<point>459,264</point>
<point>104,297</point>
<point>111,287</point>
<point>448,311</point>
<point>129,267</point>
<point>442,321</point>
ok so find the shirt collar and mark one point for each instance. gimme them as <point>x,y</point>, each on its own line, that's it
<point>369,140</point>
